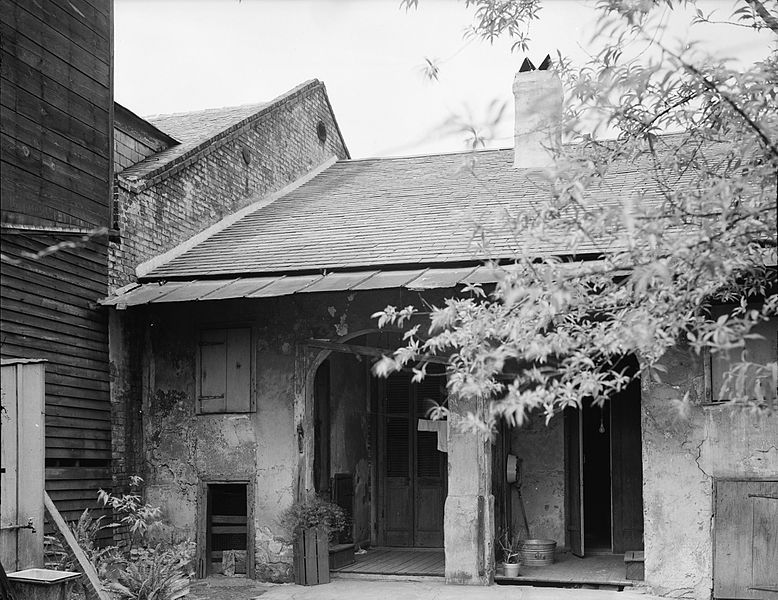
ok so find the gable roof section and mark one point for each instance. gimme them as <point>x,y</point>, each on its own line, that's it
<point>202,132</point>
<point>384,213</point>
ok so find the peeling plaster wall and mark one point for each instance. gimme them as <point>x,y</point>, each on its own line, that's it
<point>542,451</point>
<point>182,449</point>
<point>681,458</point>
<point>350,433</point>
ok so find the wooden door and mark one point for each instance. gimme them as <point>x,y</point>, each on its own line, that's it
<point>22,464</point>
<point>414,470</point>
<point>575,508</point>
<point>397,461</point>
<point>626,470</point>
<point>745,552</point>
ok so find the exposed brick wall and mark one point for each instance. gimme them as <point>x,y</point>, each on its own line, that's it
<point>156,215</point>
<point>282,146</point>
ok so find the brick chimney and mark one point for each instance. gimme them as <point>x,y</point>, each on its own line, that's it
<point>538,97</point>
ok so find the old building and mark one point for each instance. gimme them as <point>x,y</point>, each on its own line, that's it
<point>57,114</point>
<point>250,345</point>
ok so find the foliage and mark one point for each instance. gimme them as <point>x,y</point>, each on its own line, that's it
<point>86,530</point>
<point>688,221</point>
<point>509,547</point>
<point>141,571</point>
<point>313,512</point>
<point>158,572</point>
<point>140,518</point>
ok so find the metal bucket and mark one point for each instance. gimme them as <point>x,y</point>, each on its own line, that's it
<point>537,553</point>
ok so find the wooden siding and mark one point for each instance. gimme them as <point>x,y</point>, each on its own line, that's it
<point>56,108</point>
<point>49,311</point>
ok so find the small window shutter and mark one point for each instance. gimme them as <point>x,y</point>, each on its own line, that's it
<point>213,373</point>
<point>238,397</point>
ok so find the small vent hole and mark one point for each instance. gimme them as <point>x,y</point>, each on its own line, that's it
<point>321,131</point>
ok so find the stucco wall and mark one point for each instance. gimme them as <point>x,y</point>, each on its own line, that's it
<point>681,458</point>
<point>542,451</point>
<point>182,449</point>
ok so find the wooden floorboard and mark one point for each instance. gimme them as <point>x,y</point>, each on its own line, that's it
<point>400,561</point>
<point>605,570</point>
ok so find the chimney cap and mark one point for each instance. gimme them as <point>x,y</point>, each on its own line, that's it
<point>528,66</point>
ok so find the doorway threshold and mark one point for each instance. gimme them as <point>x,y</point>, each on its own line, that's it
<point>603,571</point>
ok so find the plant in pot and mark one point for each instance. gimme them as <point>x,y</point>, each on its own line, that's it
<point>312,521</point>
<point>510,546</point>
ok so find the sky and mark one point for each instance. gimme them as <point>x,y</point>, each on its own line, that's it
<point>182,55</point>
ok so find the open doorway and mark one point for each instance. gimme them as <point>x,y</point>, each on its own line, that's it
<point>226,529</point>
<point>597,477</point>
<point>605,474</point>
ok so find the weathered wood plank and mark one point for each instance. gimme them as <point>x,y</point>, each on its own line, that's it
<point>78,443</point>
<point>14,300</point>
<point>51,143</point>
<point>63,410</point>
<point>72,431</point>
<point>83,474</point>
<point>50,37</point>
<point>54,67</point>
<point>76,292</point>
<point>78,30</point>
<point>90,397</point>
<point>56,205</point>
<point>83,561</point>
<point>28,92</point>
<point>83,261</point>
<point>73,353</point>
<point>87,192</point>
<point>54,378</point>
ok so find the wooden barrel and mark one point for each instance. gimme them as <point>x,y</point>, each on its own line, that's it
<point>537,553</point>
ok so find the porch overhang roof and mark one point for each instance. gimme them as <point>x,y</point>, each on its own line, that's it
<point>159,292</point>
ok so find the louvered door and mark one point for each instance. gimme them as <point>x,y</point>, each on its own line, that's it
<point>413,469</point>
<point>398,491</point>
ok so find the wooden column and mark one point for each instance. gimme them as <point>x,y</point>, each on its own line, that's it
<point>469,512</point>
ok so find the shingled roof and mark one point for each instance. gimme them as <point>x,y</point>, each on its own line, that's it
<point>384,213</point>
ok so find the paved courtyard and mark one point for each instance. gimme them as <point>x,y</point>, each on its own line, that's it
<point>348,589</point>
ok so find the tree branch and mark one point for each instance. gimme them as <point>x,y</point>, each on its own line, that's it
<point>770,20</point>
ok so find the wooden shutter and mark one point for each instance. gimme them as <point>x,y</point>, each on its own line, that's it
<point>213,370</point>
<point>745,556</point>
<point>225,370</point>
<point>238,369</point>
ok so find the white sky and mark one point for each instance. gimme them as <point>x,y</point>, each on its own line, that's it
<point>180,55</point>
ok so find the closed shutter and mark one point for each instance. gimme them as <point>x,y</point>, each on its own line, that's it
<point>225,370</point>
<point>238,370</point>
<point>745,564</point>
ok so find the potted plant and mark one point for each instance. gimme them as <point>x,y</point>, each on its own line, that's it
<point>509,545</point>
<point>312,521</point>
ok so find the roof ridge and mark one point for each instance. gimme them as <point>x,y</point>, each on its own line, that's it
<point>202,110</point>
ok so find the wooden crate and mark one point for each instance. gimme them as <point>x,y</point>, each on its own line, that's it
<point>311,558</point>
<point>635,565</point>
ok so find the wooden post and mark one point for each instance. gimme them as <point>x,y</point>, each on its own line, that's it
<point>83,561</point>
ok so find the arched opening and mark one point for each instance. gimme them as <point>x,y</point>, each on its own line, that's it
<point>376,452</point>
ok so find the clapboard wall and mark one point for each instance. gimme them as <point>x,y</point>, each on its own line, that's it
<point>56,108</point>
